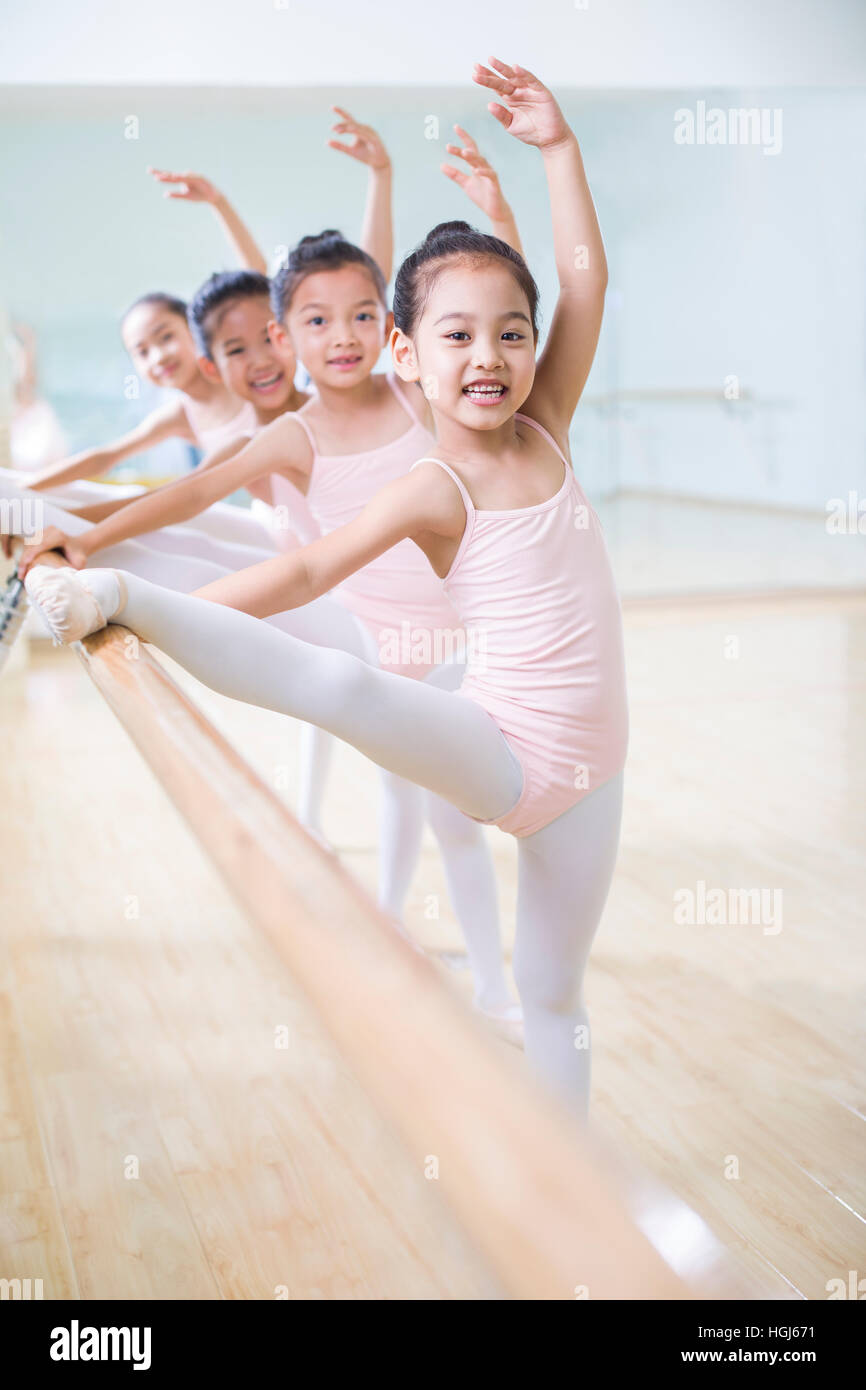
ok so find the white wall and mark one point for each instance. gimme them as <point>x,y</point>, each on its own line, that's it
<point>574,43</point>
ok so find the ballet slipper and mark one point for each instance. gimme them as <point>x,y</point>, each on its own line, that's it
<point>506,1022</point>
<point>452,960</point>
<point>67,602</point>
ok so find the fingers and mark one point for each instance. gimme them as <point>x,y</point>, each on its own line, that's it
<point>356,151</point>
<point>471,156</point>
<point>457,175</point>
<point>501,67</point>
<point>525,78</point>
<point>502,114</point>
<point>521,77</point>
<point>348,123</point>
<point>168,176</point>
<point>165,176</point>
<point>485,78</point>
<point>466,138</point>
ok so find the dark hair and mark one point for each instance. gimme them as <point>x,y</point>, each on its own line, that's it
<point>218,292</point>
<point>448,241</point>
<point>169,302</point>
<point>327,251</point>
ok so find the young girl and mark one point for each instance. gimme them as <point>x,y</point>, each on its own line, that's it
<point>157,337</point>
<point>157,334</point>
<point>331,299</point>
<point>536,739</point>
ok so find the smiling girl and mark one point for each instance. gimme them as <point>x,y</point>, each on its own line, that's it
<point>535,741</point>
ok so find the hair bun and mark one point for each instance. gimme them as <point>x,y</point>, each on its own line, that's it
<point>442,228</point>
<point>321,238</point>
<point>310,247</point>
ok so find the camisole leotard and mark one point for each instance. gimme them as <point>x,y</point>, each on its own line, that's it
<point>398,598</point>
<point>213,437</point>
<point>535,591</point>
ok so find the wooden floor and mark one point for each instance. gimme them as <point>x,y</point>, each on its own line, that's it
<point>156,1143</point>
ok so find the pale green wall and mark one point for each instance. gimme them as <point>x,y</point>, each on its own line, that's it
<point>723,261</point>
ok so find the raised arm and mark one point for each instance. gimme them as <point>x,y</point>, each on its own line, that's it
<point>169,422</point>
<point>280,447</point>
<point>481,184</point>
<point>533,116</point>
<point>26,381</point>
<point>197,189</point>
<point>377,232</point>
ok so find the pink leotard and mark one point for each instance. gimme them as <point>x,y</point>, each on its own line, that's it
<point>397,596</point>
<point>295,522</point>
<point>293,525</point>
<point>213,437</point>
<point>535,591</point>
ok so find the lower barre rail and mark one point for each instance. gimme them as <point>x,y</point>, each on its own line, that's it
<point>529,1186</point>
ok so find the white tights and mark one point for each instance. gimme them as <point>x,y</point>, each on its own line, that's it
<point>185,558</point>
<point>469,871</point>
<point>446,743</point>
<point>224,539</point>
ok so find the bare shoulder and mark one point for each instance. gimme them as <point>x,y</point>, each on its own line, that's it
<point>286,440</point>
<point>437,497</point>
<point>173,417</point>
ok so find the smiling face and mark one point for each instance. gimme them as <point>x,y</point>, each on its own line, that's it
<point>473,348</point>
<point>160,345</point>
<point>248,361</point>
<point>338,325</point>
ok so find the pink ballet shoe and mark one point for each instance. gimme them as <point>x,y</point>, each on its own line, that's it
<point>506,1022</point>
<point>67,603</point>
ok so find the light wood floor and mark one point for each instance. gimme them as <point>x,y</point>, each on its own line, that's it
<point>153,1141</point>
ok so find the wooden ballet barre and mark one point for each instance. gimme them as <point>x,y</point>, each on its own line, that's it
<point>528,1186</point>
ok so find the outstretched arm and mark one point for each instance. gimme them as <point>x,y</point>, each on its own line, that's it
<point>168,422</point>
<point>195,188</point>
<point>280,447</point>
<point>377,233</point>
<point>258,487</point>
<point>418,506</point>
<point>482,186</point>
<point>533,116</point>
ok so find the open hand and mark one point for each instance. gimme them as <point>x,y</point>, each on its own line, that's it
<point>481,184</point>
<point>196,188</point>
<point>367,145</point>
<point>532,114</point>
